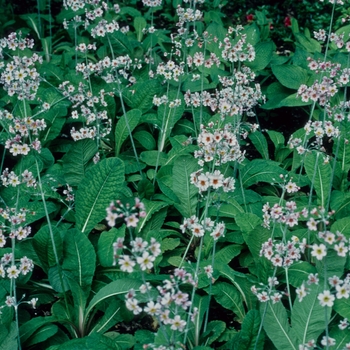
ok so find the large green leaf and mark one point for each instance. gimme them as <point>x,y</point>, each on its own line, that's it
<point>276,326</point>
<point>260,170</point>
<point>308,316</point>
<point>260,143</point>
<point>263,55</point>
<point>42,243</point>
<point>115,288</point>
<point>76,159</point>
<point>142,95</point>
<point>229,297</point>
<point>79,258</point>
<point>111,316</point>
<point>290,76</point>
<point>100,186</point>
<point>126,124</point>
<point>8,336</point>
<point>319,173</point>
<point>247,338</point>
<point>105,245</point>
<point>183,189</point>
<point>151,207</point>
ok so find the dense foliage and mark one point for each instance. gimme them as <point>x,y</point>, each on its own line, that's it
<point>174,175</point>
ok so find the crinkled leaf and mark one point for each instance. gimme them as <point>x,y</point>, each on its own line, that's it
<point>183,189</point>
<point>126,124</point>
<point>76,159</point>
<point>100,186</point>
<point>308,315</point>
<point>79,258</point>
<point>276,326</point>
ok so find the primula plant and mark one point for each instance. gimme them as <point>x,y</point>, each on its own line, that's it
<point>174,176</point>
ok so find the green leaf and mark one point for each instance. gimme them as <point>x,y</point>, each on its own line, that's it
<point>145,139</point>
<point>76,159</point>
<point>227,253</point>
<point>100,186</point>
<point>115,288</point>
<point>55,119</point>
<point>260,170</point>
<point>139,25</point>
<point>298,273</point>
<point>263,55</point>
<point>79,258</point>
<point>308,315</point>
<point>342,307</point>
<point>151,207</point>
<point>141,97</point>
<point>43,246</point>
<point>276,326</point>
<point>290,76</point>
<point>229,297</point>
<point>8,337</point>
<point>183,189</point>
<point>319,173</point>
<point>260,143</point>
<point>111,316</point>
<point>247,222</point>
<point>213,332</point>
<point>247,338</point>
<point>311,45</point>
<point>105,245</point>
<point>237,279</point>
<point>126,124</point>
<point>154,157</point>
<point>342,337</point>
<point>43,333</point>
<point>92,341</point>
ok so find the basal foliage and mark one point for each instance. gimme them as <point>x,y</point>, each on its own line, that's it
<point>144,205</point>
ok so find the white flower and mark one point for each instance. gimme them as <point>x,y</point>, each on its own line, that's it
<point>12,272</point>
<point>132,305</point>
<point>327,341</point>
<point>319,251</point>
<point>301,292</point>
<point>177,323</point>
<point>342,291</point>
<point>152,308</point>
<point>145,261</point>
<point>126,264</point>
<point>326,298</point>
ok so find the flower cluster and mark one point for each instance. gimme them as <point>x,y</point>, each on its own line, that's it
<point>282,214</point>
<point>316,131</point>
<point>333,77</point>
<point>9,178</point>
<point>16,228</point>
<point>283,254</point>
<point>198,229</point>
<point>266,293</point>
<point>143,254</point>
<point>237,49</point>
<point>130,214</point>
<point>88,108</point>
<point>20,77</point>
<point>20,131</point>
<point>169,71</point>
<point>10,270</point>
<point>338,289</point>
<point>171,305</point>
<point>219,145</point>
<point>215,180</point>
<point>14,41</point>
